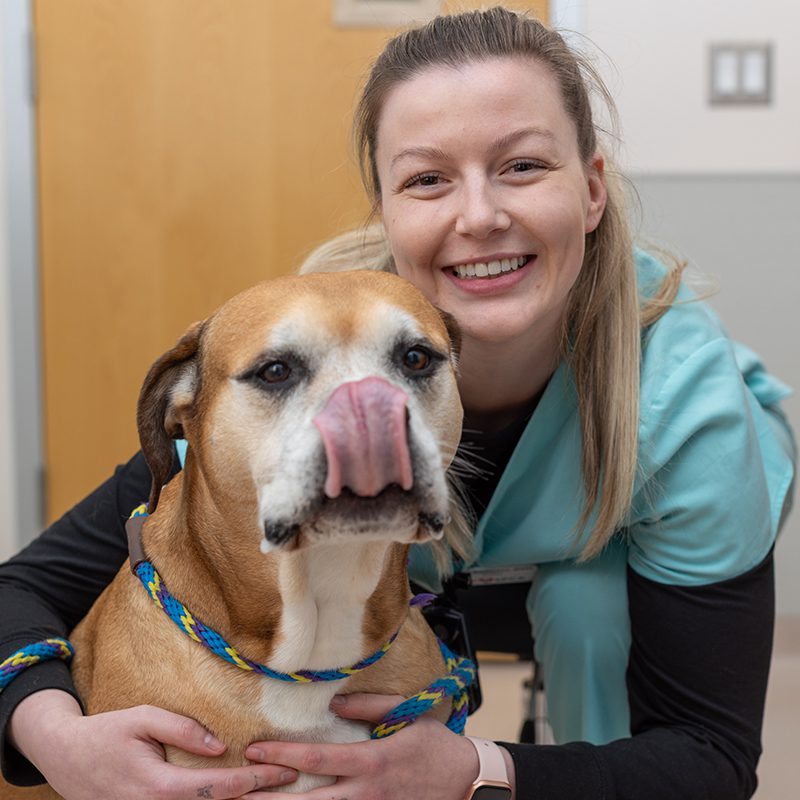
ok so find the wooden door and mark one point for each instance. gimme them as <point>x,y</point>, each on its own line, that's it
<point>187,149</point>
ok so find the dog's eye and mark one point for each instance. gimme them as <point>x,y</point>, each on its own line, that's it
<point>275,372</point>
<point>417,359</point>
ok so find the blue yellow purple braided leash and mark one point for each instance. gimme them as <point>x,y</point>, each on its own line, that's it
<point>461,671</point>
<point>460,674</point>
<point>33,654</point>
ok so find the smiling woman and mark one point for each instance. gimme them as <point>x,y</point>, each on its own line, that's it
<point>513,170</point>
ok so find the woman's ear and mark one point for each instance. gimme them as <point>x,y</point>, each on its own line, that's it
<point>598,195</point>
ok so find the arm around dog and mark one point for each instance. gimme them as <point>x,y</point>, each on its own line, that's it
<point>695,729</point>
<point>47,588</point>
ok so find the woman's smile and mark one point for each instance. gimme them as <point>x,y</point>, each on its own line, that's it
<point>491,275</point>
<point>490,267</point>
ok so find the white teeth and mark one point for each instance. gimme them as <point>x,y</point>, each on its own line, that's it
<point>482,269</point>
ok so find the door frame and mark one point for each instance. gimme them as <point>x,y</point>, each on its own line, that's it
<point>19,231</point>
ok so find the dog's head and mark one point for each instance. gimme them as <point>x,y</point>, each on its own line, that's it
<point>315,407</point>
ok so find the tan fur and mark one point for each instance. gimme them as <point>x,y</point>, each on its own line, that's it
<point>204,534</point>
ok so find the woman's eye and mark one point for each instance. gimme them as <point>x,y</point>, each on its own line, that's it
<point>275,372</point>
<point>424,179</point>
<point>416,359</point>
<point>526,166</point>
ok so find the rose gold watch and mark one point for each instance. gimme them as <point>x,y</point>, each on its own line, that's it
<point>492,782</point>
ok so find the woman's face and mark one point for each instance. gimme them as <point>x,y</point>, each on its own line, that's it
<point>484,196</point>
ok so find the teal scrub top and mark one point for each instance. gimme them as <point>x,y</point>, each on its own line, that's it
<point>715,465</point>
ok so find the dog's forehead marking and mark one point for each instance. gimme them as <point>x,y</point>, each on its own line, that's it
<point>318,329</point>
<point>315,322</point>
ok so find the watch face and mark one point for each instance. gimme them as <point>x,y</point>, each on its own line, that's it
<point>492,793</point>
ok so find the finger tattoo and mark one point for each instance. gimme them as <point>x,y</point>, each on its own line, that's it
<point>206,791</point>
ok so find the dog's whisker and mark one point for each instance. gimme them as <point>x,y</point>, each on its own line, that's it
<point>466,468</point>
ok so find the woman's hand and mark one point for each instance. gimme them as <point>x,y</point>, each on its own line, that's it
<point>121,753</point>
<point>424,761</point>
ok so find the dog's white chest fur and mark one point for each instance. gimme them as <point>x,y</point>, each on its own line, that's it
<point>324,590</point>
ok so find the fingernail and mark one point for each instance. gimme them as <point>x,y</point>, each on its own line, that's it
<point>288,776</point>
<point>212,743</point>
<point>339,700</point>
<point>254,754</point>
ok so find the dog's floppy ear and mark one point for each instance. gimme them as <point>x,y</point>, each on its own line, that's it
<point>453,330</point>
<point>167,392</point>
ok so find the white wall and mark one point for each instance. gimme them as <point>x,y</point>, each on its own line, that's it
<point>8,515</point>
<point>660,81</point>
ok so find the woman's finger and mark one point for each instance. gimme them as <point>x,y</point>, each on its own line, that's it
<point>317,759</point>
<point>369,707</point>
<point>222,783</point>
<point>179,731</point>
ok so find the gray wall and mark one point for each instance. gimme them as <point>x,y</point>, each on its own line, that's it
<point>742,232</point>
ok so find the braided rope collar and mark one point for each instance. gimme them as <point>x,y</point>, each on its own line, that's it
<point>210,639</point>
<point>461,671</point>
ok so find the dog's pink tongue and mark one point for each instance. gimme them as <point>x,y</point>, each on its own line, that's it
<point>363,426</point>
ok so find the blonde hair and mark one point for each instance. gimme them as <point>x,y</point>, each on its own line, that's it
<point>601,336</point>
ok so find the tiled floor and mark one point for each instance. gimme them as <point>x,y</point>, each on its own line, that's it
<point>779,770</point>
<point>501,715</point>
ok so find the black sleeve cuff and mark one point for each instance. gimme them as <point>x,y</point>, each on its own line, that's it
<point>17,770</point>
<point>564,772</point>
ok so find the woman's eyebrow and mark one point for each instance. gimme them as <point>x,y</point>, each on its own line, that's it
<point>422,152</point>
<point>512,138</point>
<point>437,154</point>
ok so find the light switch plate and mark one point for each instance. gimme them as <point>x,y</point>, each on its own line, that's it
<point>740,74</point>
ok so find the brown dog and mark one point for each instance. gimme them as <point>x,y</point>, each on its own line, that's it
<point>321,413</point>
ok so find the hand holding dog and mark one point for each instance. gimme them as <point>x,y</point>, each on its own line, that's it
<point>83,757</point>
<point>425,761</point>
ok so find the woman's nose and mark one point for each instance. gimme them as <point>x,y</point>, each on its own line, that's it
<point>481,212</point>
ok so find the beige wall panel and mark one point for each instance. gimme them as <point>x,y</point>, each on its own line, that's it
<point>537,7</point>
<point>187,149</point>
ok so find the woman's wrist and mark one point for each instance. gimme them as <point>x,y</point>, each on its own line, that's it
<point>35,717</point>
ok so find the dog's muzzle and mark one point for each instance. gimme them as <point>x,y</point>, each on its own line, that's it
<point>369,483</point>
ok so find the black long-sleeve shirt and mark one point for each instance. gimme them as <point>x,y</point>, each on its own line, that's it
<point>697,675</point>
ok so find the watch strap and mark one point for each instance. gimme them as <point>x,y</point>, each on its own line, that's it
<point>492,770</point>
